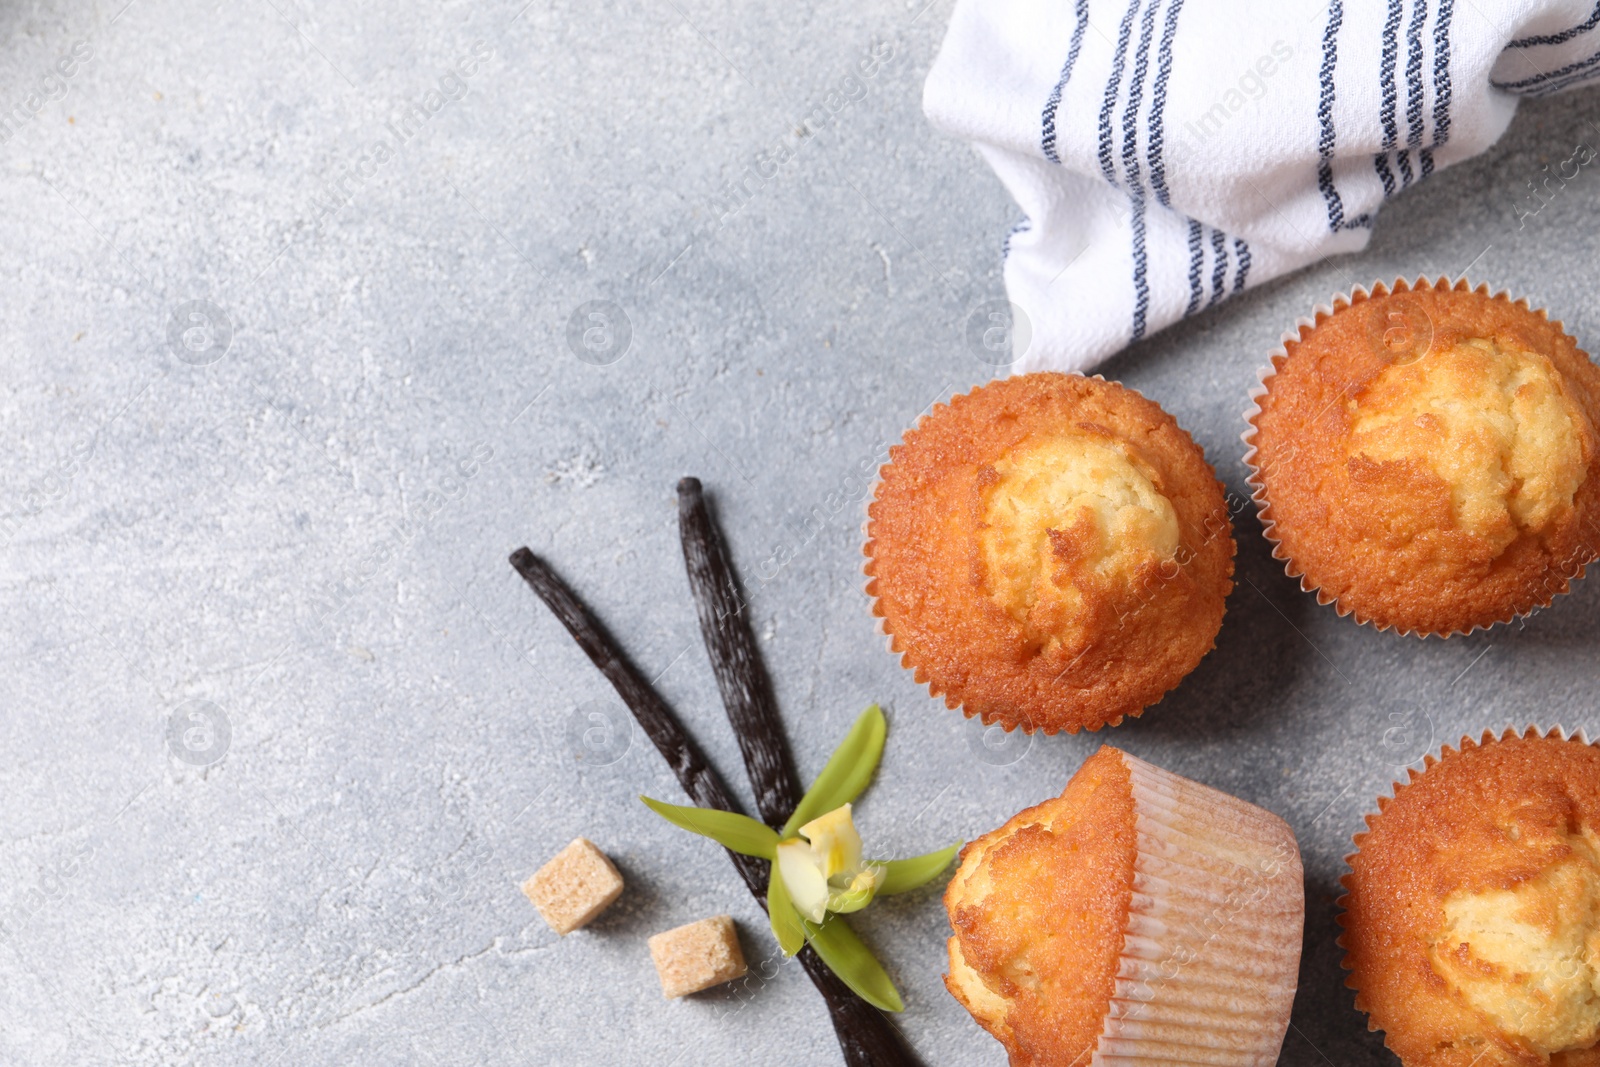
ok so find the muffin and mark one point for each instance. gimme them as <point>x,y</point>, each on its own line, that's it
<point>1139,916</point>
<point>1426,458</point>
<point>1049,551</point>
<point>1472,914</point>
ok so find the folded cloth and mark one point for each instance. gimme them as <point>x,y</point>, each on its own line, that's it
<point>1167,154</point>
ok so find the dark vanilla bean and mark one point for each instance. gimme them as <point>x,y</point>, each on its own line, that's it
<point>865,1035</point>
<point>741,676</point>
<point>694,773</point>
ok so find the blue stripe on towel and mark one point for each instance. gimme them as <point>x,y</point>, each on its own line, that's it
<point>1048,139</point>
<point>1391,130</point>
<point>1560,38</point>
<point>1023,226</point>
<point>1441,84</point>
<point>1325,143</point>
<point>1113,86</point>
<point>1546,80</point>
<point>1569,75</point>
<point>1419,18</point>
<point>1380,162</point>
<point>1158,106</point>
<point>1141,284</point>
<point>1130,165</point>
<point>1197,255</point>
<point>1241,254</point>
<point>1219,266</point>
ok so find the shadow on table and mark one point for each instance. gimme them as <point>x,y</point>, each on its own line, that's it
<point>1325,1027</point>
<point>1260,651</point>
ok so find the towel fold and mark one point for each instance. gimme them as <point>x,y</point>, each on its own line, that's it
<point>1167,154</point>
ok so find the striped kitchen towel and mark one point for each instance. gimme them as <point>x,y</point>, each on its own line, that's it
<point>1166,154</point>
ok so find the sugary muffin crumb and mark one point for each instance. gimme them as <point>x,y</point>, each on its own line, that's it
<point>1528,957</point>
<point>1491,421</point>
<point>697,956</point>
<point>1472,921</point>
<point>576,885</point>
<point>1039,907</point>
<point>1065,518</point>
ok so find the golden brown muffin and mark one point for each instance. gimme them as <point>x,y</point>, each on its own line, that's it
<point>1137,917</point>
<point>1049,551</point>
<point>1427,458</point>
<point>1050,887</point>
<point>1472,919</point>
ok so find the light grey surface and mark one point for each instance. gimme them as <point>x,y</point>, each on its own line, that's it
<point>310,532</point>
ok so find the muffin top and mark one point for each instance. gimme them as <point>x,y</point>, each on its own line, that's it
<point>1069,520</point>
<point>1049,551</point>
<point>1472,921</point>
<point>1040,907</point>
<point>1424,458</point>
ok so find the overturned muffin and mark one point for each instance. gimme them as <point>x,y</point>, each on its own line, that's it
<point>1138,916</point>
<point>1472,921</point>
<point>1426,458</point>
<point>1049,551</point>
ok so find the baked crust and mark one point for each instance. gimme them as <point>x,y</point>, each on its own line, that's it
<point>1426,458</point>
<point>1124,597</point>
<point>1470,920</point>
<point>1039,908</point>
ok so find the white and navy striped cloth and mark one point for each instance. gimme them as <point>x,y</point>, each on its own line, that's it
<point>1166,154</point>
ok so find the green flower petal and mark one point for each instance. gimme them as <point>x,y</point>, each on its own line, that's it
<point>854,963</point>
<point>728,829</point>
<point>854,897</point>
<point>847,773</point>
<point>786,926</point>
<point>902,875</point>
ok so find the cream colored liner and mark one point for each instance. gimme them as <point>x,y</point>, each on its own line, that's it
<point>1211,953</point>
<point>1265,375</point>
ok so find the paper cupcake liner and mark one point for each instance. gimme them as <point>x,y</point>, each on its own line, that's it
<point>1211,951</point>
<point>1487,736</point>
<point>1302,327</point>
<point>881,624</point>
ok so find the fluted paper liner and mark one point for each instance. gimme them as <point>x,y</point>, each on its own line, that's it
<point>1292,338</point>
<point>1211,953</point>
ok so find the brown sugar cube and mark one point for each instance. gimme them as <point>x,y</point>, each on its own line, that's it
<point>575,887</point>
<point>697,956</point>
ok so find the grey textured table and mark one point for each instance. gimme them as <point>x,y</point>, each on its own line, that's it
<point>283,731</point>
